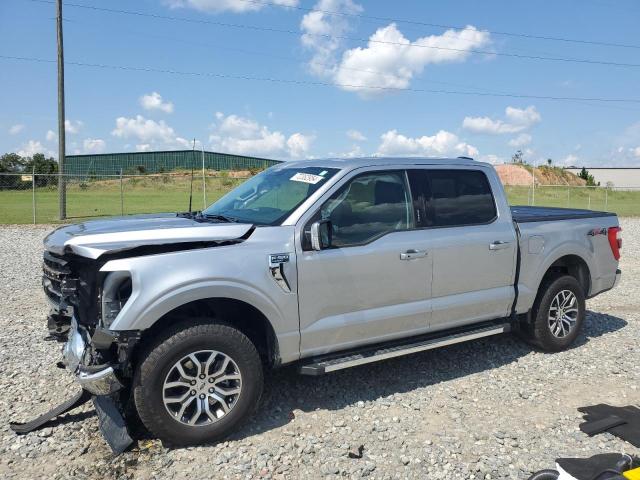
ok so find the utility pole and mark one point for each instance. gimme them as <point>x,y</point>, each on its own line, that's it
<point>62,187</point>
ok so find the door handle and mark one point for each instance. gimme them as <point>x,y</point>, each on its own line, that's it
<point>499,245</point>
<point>411,254</point>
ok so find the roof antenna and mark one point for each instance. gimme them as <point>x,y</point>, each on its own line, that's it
<point>193,156</point>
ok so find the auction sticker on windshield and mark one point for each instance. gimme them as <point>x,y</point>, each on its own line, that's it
<point>306,178</point>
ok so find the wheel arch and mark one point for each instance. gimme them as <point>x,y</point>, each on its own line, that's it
<point>569,264</point>
<point>231,311</point>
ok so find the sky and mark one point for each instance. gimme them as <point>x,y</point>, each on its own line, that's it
<point>292,79</point>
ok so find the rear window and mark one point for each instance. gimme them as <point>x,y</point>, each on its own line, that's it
<point>447,198</point>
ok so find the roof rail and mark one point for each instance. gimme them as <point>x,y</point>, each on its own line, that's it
<point>465,158</point>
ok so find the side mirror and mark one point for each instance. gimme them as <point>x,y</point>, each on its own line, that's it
<point>321,234</point>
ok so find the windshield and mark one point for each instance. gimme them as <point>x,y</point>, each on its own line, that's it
<point>271,196</point>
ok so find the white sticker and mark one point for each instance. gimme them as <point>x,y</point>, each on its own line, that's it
<point>306,178</point>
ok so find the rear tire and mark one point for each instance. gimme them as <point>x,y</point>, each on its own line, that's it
<point>558,313</point>
<point>197,383</point>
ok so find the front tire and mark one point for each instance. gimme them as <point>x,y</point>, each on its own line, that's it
<point>558,313</point>
<point>198,383</point>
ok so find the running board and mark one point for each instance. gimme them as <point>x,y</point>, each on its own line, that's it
<point>331,363</point>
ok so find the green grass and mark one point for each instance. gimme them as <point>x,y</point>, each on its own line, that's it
<point>170,193</point>
<point>624,203</point>
<point>102,198</point>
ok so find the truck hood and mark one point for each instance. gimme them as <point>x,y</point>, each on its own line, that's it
<point>96,237</point>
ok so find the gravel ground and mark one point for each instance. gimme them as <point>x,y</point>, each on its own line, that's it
<point>493,408</point>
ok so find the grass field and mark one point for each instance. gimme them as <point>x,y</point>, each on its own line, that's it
<point>102,198</point>
<point>170,193</point>
<point>626,203</point>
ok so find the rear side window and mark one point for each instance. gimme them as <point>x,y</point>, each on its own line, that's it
<point>447,198</point>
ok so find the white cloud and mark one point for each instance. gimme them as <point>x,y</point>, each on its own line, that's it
<point>16,129</point>
<point>150,134</point>
<point>51,136</point>
<point>143,147</point>
<point>243,136</point>
<point>73,127</point>
<point>32,147</point>
<point>492,159</point>
<point>143,129</point>
<point>441,144</point>
<point>322,32</point>
<point>356,135</point>
<point>521,140</point>
<point>236,6</point>
<point>523,116</point>
<point>390,60</point>
<point>299,145</point>
<point>636,152</point>
<point>153,101</point>
<point>570,160</point>
<point>355,152</point>
<point>93,145</point>
<point>517,120</point>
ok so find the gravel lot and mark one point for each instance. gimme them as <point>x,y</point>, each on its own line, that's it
<point>492,408</point>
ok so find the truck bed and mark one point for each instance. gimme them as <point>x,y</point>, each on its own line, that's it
<point>524,214</point>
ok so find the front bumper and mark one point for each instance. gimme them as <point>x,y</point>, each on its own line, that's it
<point>97,379</point>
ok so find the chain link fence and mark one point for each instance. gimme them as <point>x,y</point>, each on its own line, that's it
<point>28,198</point>
<point>625,201</point>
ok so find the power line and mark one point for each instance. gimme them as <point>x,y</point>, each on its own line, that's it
<point>296,60</point>
<point>319,83</point>
<point>439,25</point>
<point>344,37</point>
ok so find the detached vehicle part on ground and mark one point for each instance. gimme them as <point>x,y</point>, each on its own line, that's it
<point>327,264</point>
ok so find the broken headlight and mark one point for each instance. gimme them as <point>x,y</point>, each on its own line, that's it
<point>116,290</point>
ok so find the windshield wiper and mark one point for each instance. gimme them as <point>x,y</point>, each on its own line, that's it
<point>217,216</point>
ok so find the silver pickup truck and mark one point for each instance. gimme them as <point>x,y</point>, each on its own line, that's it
<point>327,264</point>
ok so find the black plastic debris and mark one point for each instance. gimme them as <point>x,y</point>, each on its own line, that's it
<point>623,422</point>
<point>46,419</point>
<point>112,424</point>
<point>606,466</point>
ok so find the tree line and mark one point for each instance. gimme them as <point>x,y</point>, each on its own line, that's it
<point>38,163</point>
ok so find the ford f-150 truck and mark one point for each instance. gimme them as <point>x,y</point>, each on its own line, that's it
<point>327,264</point>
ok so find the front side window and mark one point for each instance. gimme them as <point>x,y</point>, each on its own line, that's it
<point>367,207</point>
<point>447,198</point>
<point>271,196</point>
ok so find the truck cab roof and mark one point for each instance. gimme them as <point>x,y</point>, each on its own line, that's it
<point>351,163</point>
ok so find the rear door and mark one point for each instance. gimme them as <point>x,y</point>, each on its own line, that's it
<point>472,244</point>
<point>375,283</point>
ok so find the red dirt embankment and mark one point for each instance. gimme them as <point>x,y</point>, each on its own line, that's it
<point>511,174</point>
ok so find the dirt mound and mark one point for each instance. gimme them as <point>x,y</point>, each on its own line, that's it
<point>511,174</point>
<point>546,175</point>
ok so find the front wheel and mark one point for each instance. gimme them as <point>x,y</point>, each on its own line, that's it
<point>198,383</point>
<point>558,313</point>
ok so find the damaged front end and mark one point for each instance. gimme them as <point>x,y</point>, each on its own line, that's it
<point>84,301</point>
<point>88,296</point>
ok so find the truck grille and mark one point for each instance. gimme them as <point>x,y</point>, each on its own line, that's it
<point>56,278</point>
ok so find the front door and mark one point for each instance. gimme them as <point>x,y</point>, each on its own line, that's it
<point>374,284</point>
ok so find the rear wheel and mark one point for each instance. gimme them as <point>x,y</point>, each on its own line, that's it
<point>558,313</point>
<point>198,383</point>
